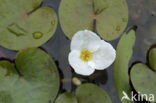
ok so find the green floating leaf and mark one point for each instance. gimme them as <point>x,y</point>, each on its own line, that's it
<point>123,56</point>
<point>90,93</point>
<point>22,25</point>
<point>111,17</point>
<point>152,58</point>
<point>38,81</point>
<point>66,98</point>
<point>143,80</point>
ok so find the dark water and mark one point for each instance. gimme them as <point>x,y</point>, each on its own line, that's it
<point>142,13</point>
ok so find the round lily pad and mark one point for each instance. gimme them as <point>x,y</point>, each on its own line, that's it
<point>37,79</point>
<point>66,98</point>
<point>90,93</point>
<point>111,17</point>
<point>152,58</point>
<point>143,80</point>
<point>23,23</point>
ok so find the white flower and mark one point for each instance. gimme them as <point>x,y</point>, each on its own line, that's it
<point>89,52</point>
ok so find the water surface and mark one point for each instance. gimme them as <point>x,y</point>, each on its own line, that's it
<point>142,13</point>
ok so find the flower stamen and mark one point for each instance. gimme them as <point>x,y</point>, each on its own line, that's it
<point>86,55</point>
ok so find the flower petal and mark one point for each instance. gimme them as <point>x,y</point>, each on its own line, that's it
<point>78,65</point>
<point>85,40</point>
<point>103,57</point>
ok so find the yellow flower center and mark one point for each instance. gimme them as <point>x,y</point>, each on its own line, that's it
<point>86,55</point>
